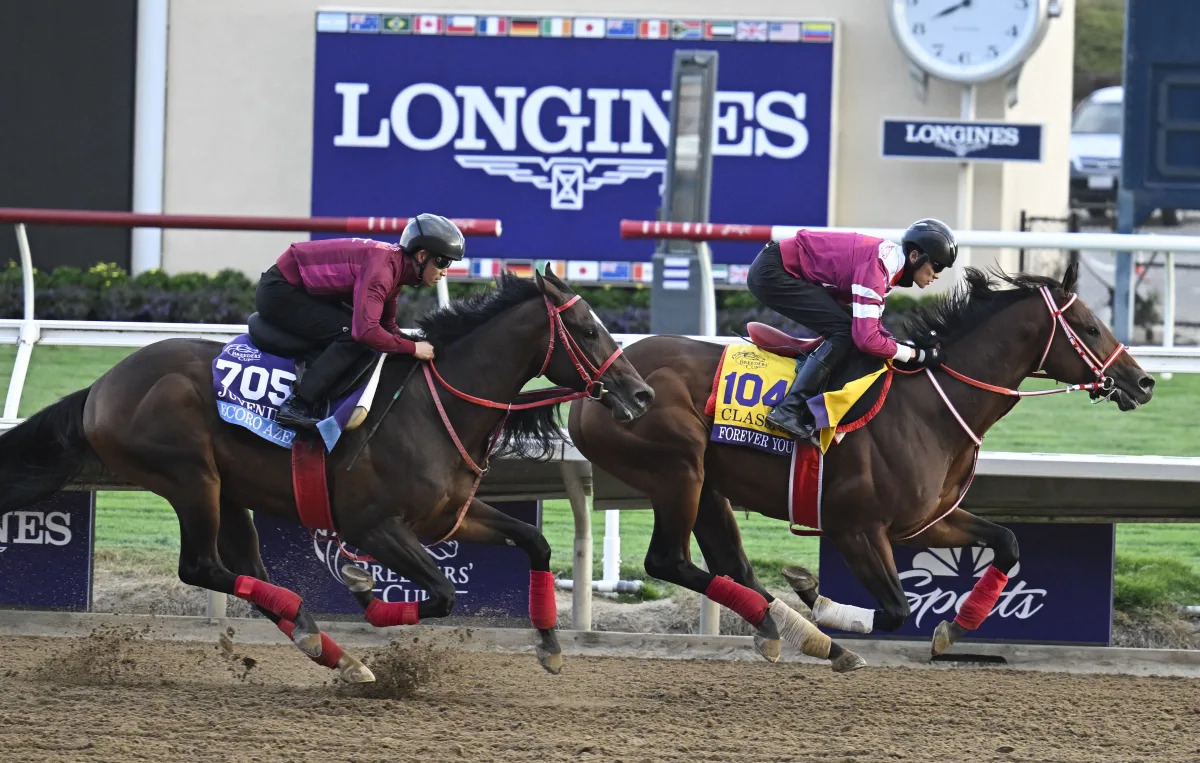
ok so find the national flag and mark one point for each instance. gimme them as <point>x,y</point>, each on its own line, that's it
<point>687,30</point>
<point>784,31</point>
<point>643,272</point>
<point>428,24</point>
<point>524,27</point>
<point>581,270</point>
<point>622,29</point>
<point>556,27</point>
<point>459,268</point>
<point>522,268</point>
<point>460,25</point>
<point>755,31</point>
<point>588,27</point>
<point>738,274</point>
<point>493,26</point>
<point>557,267</point>
<point>485,267</point>
<point>720,30</point>
<point>364,22</point>
<point>332,21</point>
<point>396,24</point>
<point>653,29</point>
<point>820,31</point>
<point>615,271</point>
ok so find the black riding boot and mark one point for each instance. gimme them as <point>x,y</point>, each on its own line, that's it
<point>300,409</point>
<point>812,374</point>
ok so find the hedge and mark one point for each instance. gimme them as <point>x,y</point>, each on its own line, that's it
<point>105,292</point>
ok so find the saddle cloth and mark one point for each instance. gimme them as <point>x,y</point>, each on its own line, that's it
<point>251,384</point>
<point>751,380</point>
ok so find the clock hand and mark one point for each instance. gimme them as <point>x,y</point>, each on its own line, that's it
<point>953,8</point>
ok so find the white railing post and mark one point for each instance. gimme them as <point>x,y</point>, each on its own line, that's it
<point>1168,308</point>
<point>581,509</point>
<point>29,329</point>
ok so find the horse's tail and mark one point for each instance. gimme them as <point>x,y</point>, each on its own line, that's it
<point>43,453</point>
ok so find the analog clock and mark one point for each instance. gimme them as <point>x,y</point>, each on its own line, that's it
<point>969,41</point>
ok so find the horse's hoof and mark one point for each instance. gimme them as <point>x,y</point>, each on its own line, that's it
<point>354,672</point>
<point>769,648</point>
<point>942,638</point>
<point>800,579</point>
<point>848,662</point>
<point>357,579</point>
<point>310,645</point>
<point>551,661</point>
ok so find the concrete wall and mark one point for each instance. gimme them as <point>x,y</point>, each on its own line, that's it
<point>239,131</point>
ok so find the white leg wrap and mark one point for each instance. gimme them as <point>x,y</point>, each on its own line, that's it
<point>844,617</point>
<point>798,632</point>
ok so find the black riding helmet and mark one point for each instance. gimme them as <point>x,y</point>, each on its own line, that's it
<point>436,235</point>
<point>934,240</point>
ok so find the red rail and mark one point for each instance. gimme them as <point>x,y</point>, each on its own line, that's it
<point>470,226</point>
<point>694,231</point>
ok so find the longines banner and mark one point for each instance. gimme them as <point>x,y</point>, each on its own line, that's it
<point>46,553</point>
<point>962,141</point>
<point>558,125</point>
<point>488,580</point>
<point>1060,591</point>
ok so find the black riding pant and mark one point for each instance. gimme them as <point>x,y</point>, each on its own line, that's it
<point>323,321</point>
<point>801,301</point>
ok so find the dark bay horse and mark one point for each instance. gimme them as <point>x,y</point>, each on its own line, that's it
<point>152,419</point>
<point>897,480</point>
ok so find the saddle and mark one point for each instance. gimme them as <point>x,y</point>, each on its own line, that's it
<point>270,338</point>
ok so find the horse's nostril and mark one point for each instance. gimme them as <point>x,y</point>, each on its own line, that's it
<point>644,396</point>
<point>1146,383</point>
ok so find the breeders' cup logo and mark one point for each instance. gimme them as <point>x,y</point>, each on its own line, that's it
<point>243,351</point>
<point>36,528</point>
<point>578,150</point>
<point>389,586</point>
<point>959,139</point>
<point>749,359</point>
<point>941,579</point>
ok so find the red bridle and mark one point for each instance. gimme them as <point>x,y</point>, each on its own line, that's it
<point>1103,382</point>
<point>589,374</point>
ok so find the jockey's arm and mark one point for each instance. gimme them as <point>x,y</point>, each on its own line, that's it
<point>866,310</point>
<point>373,313</point>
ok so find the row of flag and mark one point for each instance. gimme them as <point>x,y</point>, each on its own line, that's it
<point>562,26</point>
<point>582,270</point>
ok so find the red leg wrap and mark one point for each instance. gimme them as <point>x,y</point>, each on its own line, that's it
<point>381,614</point>
<point>982,598</point>
<point>272,598</point>
<point>748,603</point>
<point>330,651</point>
<point>543,611</point>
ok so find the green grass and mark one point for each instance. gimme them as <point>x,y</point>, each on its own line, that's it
<point>1156,562</point>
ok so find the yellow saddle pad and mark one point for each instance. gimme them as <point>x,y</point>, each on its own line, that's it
<point>750,381</point>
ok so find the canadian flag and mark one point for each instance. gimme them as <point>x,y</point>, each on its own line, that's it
<point>589,27</point>
<point>428,24</point>
<point>653,29</point>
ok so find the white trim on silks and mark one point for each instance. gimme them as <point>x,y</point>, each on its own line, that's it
<point>820,488</point>
<point>792,484</point>
<point>859,310</point>
<point>859,290</point>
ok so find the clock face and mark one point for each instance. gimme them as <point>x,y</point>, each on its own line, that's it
<point>967,40</point>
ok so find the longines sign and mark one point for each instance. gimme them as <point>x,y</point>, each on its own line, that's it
<point>962,141</point>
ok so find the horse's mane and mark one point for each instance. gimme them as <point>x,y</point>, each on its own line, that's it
<point>970,303</point>
<point>530,433</point>
<point>448,324</point>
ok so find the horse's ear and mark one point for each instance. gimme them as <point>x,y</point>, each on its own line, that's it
<point>556,280</point>
<point>1071,278</point>
<point>550,285</point>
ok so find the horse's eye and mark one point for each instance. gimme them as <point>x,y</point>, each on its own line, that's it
<point>589,333</point>
<point>1093,330</point>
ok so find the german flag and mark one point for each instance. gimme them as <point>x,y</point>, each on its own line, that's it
<point>525,28</point>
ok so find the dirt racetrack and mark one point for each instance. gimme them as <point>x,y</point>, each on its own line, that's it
<point>117,696</point>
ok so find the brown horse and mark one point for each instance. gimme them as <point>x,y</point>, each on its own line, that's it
<point>897,480</point>
<point>397,479</point>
